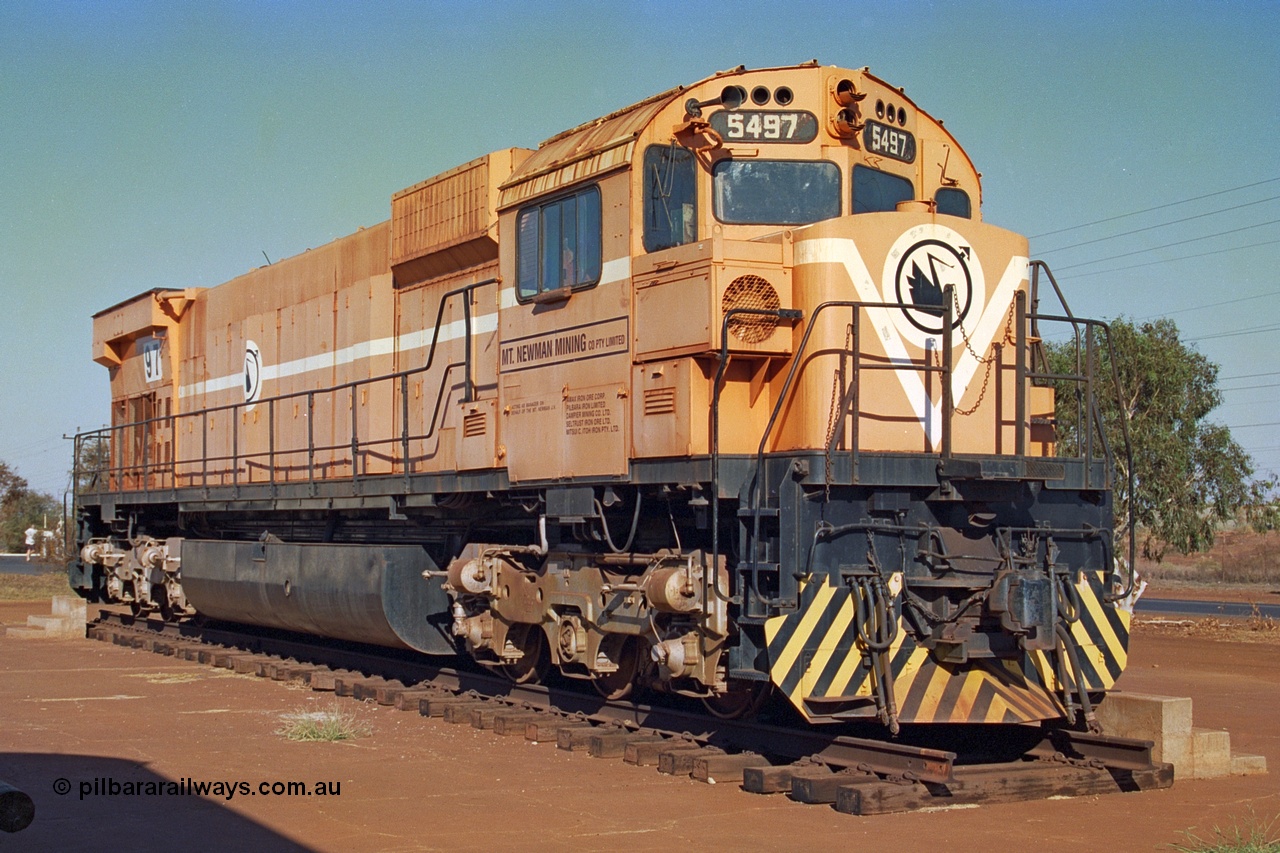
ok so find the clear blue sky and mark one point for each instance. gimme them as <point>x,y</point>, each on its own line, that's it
<point>171,144</point>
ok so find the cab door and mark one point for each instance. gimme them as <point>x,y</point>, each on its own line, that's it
<point>565,324</point>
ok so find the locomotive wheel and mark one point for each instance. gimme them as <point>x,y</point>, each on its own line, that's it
<point>742,700</point>
<point>161,595</point>
<point>536,663</point>
<point>626,651</point>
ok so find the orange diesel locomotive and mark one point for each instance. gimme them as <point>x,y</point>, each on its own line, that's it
<point>728,392</point>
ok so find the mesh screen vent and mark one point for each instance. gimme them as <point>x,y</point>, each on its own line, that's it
<point>751,291</point>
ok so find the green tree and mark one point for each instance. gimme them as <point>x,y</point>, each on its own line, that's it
<point>1190,476</point>
<point>32,509</point>
<point>21,508</point>
<point>90,469</point>
<point>12,486</point>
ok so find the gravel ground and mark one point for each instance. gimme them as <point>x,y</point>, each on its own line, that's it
<point>93,714</point>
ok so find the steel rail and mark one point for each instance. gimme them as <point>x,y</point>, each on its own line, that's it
<point>834,748</point>
<point>866,776</point>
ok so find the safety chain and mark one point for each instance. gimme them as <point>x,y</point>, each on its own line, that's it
<point>989,362</point>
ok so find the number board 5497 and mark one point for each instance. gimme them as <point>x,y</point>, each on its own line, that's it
<point>796,126</point>
<point>889,141</point>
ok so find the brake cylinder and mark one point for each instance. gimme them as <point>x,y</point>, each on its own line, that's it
<point>671,589</point>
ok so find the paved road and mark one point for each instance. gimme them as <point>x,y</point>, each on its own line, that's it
<point>16,564</point>
<point>1205,608</point>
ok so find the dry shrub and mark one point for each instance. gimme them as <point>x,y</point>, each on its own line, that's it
<point>1237,556</point>
<point>1253,559</point>
<point>33,587</point>
<point>1255,629</point>
<point>1257,621</point>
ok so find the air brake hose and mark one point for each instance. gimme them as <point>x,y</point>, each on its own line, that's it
<point>635,525</point>
<point>875,619</point>
<point>1086,707</point>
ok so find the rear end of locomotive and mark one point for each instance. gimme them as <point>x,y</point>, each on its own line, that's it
<point>779,423</point>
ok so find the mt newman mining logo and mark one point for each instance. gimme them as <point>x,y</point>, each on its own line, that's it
<point>575,343</point>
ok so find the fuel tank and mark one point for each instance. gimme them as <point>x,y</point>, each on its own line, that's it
<point>363,593</point>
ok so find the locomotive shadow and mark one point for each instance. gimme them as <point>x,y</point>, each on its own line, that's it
<point>149,821</point>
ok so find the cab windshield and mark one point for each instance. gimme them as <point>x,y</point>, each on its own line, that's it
<point>775,192</point>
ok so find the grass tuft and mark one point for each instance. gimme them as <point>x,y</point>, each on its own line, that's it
<point>328,726</point>
<point>1253,836</point>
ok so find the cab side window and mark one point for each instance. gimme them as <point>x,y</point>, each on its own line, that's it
<point>875,191</point>
<point>954,202</point>
<point>558,244</point>
<point>670,197</point>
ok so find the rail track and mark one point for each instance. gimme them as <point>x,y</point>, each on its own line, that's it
<point>857,775</point>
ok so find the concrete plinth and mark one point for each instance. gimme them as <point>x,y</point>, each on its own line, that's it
<point>1248,765</point>
<point>70,614</point>
<point>1166,721</point>
<point>1210,753</point>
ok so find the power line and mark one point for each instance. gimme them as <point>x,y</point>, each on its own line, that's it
<point>1247,426</point>
<point>1249,387</point>
<point>1210,305</point>
<point>1180,258</point>
<point>1254,331</point>
<point>1168,245</point>
<point>48,439</point>
<point>31,447</point>
<point>1151,209</point>
<point>1248,375</point>
<point>1160,225</point>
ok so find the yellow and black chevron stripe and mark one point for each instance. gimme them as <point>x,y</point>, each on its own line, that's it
<point>1101,632</point>
<point>817,662</point>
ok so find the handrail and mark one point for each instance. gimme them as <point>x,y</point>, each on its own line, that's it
<point>1094,421</point>
<point>781,314</point>
<point>1084,373</point>
<point>783,395</point>
<point>118,434</point>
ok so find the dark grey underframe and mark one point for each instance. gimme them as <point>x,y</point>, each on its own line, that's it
<point>398,492</point>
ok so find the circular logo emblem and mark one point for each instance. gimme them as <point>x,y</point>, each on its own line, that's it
<point>923,265</point>
<point>252,373</point>
<point>925,272</point>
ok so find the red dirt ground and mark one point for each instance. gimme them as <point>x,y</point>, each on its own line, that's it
<point>81,710</point>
